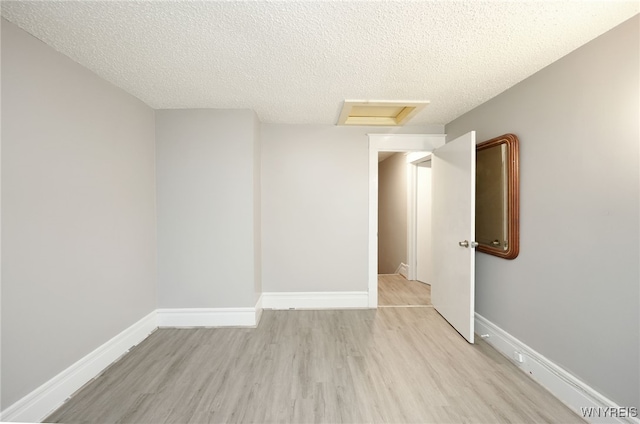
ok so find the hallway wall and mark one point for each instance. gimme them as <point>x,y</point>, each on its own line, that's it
<point>392,213</point>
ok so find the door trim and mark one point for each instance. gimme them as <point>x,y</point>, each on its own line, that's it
<point>389,143</point>
<point>413,159</point>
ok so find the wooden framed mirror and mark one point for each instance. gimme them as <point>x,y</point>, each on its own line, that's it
<point>498,197</point>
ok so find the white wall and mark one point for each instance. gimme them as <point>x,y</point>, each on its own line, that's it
<point>208,218</point>
<point>392,213</point>
<point>78,212</point>
<point>315,181</point>
<point>573,292</point>
<point>423,224</point>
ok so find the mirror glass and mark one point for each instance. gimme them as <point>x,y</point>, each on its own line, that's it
<point>497,197</point>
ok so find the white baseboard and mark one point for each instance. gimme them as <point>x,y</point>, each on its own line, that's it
<point>45,399</point>
<point>403,269</point>
<point>210,317</point>
<point>315,300</point>
<point>573,392</point>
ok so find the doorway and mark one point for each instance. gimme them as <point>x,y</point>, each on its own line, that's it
<point>403,191</point>
<point>405,143</point>
<point>453,209</point>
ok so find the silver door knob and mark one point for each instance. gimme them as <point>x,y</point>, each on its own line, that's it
<point>463,243</point>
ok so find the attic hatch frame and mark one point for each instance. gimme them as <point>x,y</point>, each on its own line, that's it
<point>379,112</point>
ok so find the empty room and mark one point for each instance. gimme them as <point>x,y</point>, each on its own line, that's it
<point>320,211</point>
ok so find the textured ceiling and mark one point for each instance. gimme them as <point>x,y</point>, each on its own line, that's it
<point>295,62</point>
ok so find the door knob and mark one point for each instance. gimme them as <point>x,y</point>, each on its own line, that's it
<point>463,243</point>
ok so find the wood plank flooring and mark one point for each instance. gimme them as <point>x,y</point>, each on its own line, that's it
<point>395,290</point>
<point>391,365</point>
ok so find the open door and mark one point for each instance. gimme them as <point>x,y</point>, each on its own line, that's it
<point>453,168</point>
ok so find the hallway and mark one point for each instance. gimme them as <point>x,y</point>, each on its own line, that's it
<point>395,290</point>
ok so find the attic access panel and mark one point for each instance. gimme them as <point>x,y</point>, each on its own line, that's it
<point>385,113</point>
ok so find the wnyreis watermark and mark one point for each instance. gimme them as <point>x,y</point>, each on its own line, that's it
<point>608,412</point>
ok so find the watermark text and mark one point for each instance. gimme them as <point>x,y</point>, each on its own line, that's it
<point>607,412</point>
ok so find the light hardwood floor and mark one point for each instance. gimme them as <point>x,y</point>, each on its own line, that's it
<point>393,365</point>
<point>395,290</point>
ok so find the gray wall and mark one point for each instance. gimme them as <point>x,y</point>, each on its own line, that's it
<point>573,292</point>
<point>207,211</point>
<point>78,212</point>
<point>257,209</point>
<point>392,213</point>
<point>315,185</point>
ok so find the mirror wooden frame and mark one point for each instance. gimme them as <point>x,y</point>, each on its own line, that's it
<point>513,197</point>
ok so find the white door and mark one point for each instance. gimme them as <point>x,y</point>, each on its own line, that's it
<point>453,217</point>
<point>423,222</point>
